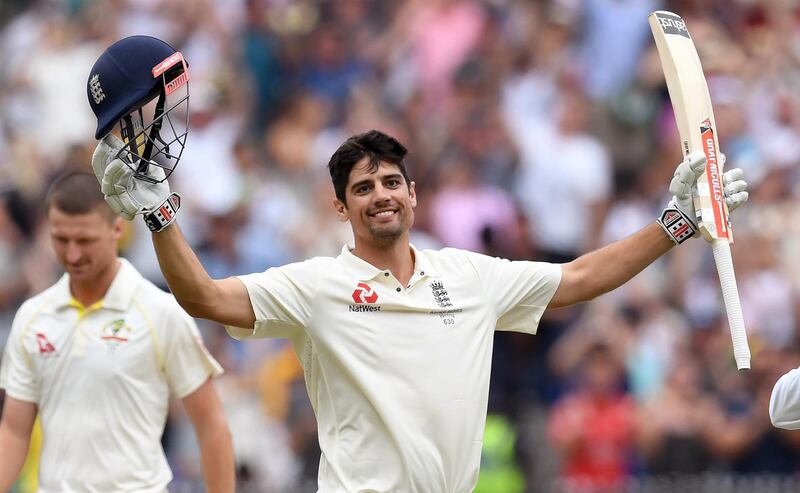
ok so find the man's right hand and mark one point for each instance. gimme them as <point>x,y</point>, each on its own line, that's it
<point>126,195</point>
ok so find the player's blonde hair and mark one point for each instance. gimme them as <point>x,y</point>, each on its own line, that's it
<point>77,192</point>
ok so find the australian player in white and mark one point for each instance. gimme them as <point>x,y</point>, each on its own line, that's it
<point>96,356</point>
<point>395,342</point>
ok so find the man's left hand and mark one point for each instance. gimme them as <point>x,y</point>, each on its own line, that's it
<point>679,219</point>
<point>734,187</point>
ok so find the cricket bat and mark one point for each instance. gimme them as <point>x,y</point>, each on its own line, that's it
<point>698,131</point>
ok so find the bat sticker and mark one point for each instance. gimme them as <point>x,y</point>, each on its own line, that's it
<point>672,24</point>
<point>714,177</point>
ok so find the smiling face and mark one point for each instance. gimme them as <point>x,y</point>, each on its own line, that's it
<point>84,244</point>
<point>380,203</point>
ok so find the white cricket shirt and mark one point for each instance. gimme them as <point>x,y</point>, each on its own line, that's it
<point>399,375</point>
<point>101,377</point>
<point>784,403</point>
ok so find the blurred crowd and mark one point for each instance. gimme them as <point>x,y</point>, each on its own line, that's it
<point>537,129</point>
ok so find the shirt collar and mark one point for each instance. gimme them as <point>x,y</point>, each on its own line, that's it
<point>119,295</point>
<point>364,271</point>
<point>422,264</point>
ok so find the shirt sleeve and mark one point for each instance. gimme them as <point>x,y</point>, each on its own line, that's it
<point>519,291</point>
<point>281,299</point>
<point>187,362</point>
<point>18,374</point>
<point>784,404</point>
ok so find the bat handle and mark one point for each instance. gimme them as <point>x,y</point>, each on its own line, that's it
<point>733,307</point>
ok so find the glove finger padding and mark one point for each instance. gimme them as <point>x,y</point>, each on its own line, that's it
<point>736,200</point>
<point>678,218</point>
<point>119,186</point>
<point>105,152</point>
<point>686,175</point>
<point>116,178</point>
<point>684,182</point>
<point>130,204</point>
<point>156,172</point>
<point>730,176</point>
<point>735,188</point>
<point>129,194</point>
<point>115,202</point>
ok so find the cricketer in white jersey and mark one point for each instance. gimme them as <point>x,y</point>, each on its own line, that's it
<point>96,356</point>
<point>395,343</point>
<point>398,373</point>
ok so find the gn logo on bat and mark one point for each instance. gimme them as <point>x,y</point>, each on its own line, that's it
<point>673,25</point>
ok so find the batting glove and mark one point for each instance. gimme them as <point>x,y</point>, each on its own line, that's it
<point>734,187</point>
<point>678,219</point>
<point>129,196</point>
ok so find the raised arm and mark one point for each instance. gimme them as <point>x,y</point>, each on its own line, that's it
<point>606,269</point>
<point>15,435</point>
<point>225,301</point>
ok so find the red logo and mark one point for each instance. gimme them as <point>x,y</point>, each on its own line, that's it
<point>168,62</point>
<point>364,294</point>
<point>713,176</point>
<point>45,347</point>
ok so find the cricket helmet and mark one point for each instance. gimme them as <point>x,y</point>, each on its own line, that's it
<point>142,83</point>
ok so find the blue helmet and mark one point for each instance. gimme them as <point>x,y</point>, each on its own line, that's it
<point>127,77</point>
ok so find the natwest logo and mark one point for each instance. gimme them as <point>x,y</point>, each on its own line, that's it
<point>364,294</point>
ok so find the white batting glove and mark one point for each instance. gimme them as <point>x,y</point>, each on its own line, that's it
<point>734,187</point>
<point>678,219</point>
<point>129,196</point>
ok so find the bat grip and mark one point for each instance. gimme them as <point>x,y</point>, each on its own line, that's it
<point>733,307</point>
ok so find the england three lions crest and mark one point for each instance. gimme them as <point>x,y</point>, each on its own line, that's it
<point>446,312</point>
<point>440,294</point>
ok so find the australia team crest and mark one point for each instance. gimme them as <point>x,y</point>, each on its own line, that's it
<point>115,333</point>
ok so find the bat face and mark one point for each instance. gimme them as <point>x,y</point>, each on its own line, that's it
<point>694,116</point>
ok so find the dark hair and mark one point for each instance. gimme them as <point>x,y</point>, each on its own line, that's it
<point>374,144</point>
<point>76,193</point>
